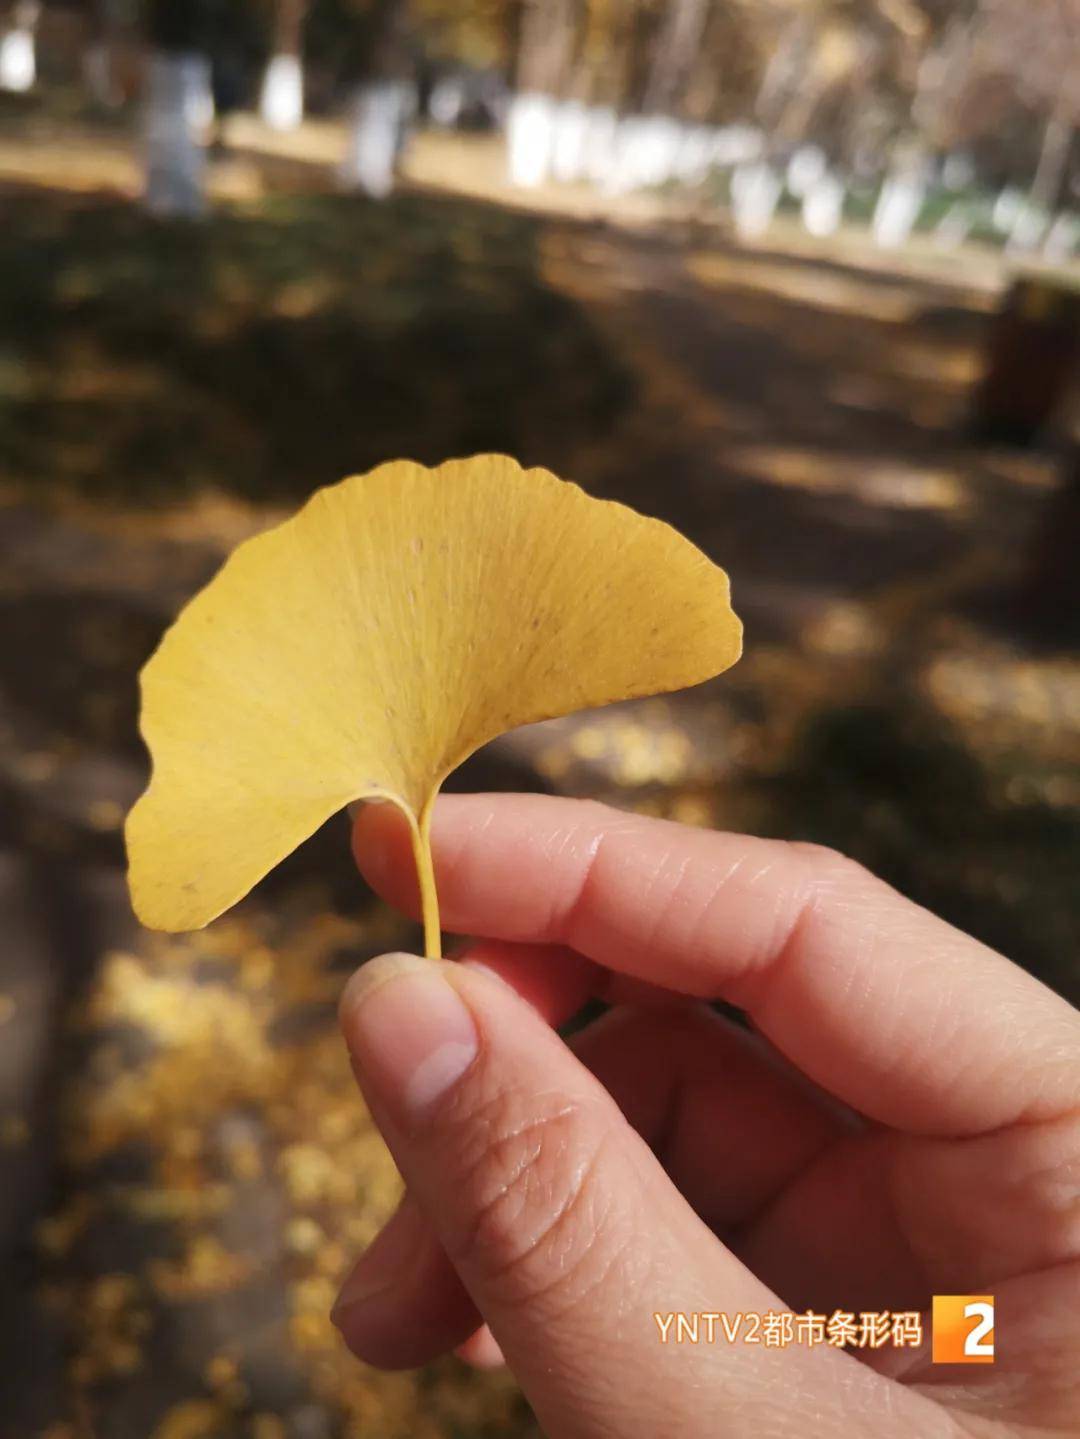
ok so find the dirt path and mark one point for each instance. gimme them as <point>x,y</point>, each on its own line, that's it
<point>187,1166</point>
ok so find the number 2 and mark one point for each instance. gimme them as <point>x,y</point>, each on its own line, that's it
<point>974,1347</point>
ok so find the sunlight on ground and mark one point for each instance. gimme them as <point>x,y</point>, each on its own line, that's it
<point>846,294</point>
<point>1013,699</point>
<point>874,481</point>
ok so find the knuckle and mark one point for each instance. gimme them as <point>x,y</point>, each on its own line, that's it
<point>821,854</point>
<point>531,1208</point>
<point>830,865</point>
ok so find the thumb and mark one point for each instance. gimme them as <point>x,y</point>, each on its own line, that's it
<point>560,1222</point>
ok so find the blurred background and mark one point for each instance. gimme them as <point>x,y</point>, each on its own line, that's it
<point>800,276</point>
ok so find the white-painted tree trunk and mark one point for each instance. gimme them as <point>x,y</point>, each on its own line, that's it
<point>954,226</point>
<point>281,97</point>
<point>805,168</point>
<point>568,141</point>
<point>957,171</point>
<point>598,151</point>
<point>178,110</point>
<point>823,206</point>
<point>736,145</point>
<point>898,207</point>
<point>98,77</point>
<point>530,139</point>
<point>380,112</point>
<point>447,100</point>
<point>625,169</point>
<point>1029,229</point>
<point>694,156</point>
<point>755,193</point>
<point>18,63</point>
<point>1007,207</point>
<point>646,152</point>
<point>660,141</point>
<point>1063,239</point>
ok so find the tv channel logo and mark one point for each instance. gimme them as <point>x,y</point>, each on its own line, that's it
<point>963,1328</point>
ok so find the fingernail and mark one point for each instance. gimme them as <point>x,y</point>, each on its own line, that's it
<point>409,1033</point>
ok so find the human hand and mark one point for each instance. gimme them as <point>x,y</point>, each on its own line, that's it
<point>904,1121</point>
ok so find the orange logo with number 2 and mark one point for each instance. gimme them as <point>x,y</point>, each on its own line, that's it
<point>963,1328</point>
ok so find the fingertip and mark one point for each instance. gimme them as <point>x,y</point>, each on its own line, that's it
<point>382,850</point>
<point>481,1350</point>
<point>554,980</point>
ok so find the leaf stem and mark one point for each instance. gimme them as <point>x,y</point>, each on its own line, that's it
<point>425,874</point>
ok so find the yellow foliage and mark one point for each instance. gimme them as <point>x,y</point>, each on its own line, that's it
<point>364,648</point>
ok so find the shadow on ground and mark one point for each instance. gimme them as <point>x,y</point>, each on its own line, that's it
<point>268,353</point>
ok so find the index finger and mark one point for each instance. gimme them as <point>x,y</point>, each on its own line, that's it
<point>904,1018</point>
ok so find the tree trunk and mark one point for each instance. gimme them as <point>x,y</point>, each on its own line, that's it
<point>1034,345</point>
<point>548,42</point>
<point>288,26</point>
<point>18,62</point>
<point>1033,220</point>
<point>1049,178</point>
<point>391,55</point>
<point>383,103</point>
<point>106,76</point>
<point>281,99</point>
<point>675,49</point>
<point>785,73</point>
<point>176,112</point>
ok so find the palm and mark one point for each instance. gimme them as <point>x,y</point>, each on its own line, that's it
<point>835,1213</point>
<point>885,1220</point>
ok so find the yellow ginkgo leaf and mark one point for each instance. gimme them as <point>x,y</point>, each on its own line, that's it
<point>368,645</point>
